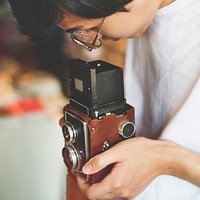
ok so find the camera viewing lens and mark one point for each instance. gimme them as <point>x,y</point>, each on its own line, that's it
<point>69,132</point>
<point>70,157</point>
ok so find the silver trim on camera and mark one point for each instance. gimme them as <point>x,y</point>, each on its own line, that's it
<point>86,146</point>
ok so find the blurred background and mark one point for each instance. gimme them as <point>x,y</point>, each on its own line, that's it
<point>33,90</point>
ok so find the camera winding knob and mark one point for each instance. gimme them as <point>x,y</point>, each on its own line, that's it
<point>69,132</point>
<point>126,129</point>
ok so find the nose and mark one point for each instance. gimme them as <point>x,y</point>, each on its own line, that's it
<point>100,36</point>
<point>91,32</point>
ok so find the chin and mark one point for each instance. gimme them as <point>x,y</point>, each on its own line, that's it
<point>110,38</point>
<point>139,32</point>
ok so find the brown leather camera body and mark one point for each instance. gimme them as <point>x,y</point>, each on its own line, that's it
<point>103,133</point>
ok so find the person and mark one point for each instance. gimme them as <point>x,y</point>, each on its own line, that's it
<point>161,80</point>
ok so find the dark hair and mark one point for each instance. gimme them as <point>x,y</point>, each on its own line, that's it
<point>38,17</point>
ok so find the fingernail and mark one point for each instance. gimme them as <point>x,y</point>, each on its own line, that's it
<point>87,168</point>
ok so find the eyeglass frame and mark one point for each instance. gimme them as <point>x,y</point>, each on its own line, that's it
<point>81,43</point>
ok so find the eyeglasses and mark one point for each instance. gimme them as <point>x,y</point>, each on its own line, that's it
<point>85,39</point>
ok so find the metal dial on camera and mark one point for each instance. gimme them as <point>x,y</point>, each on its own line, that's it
<point>126,129</point>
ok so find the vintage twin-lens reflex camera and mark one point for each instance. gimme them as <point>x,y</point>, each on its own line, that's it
<point>97,116</point>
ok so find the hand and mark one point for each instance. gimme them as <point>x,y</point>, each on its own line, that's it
<point>136,163</point>
<point>61,121</point>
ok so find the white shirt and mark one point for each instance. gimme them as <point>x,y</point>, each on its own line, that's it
<point>162,83</point>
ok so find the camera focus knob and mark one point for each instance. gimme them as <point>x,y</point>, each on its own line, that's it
<point>126,129</point>
<point>69,132</point>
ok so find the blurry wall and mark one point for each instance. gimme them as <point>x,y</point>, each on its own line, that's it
<point>31,166</point>
<point>31,102</point>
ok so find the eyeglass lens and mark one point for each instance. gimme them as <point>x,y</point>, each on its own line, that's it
<point>83,38</point>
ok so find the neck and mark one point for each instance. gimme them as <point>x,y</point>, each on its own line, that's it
<point>165,3</point>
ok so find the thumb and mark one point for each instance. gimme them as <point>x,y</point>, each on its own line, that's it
<point>100,161</point>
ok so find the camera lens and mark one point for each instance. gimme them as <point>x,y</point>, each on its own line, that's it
<point>70,157</point>
<point>69,132</point>
<point>126,129</point>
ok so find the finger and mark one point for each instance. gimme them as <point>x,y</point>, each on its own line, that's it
<point>90,191</point>
<point>61,121</point>
<point>101,190</point>
<point>83,185</point>
<point>87,189</point>
<point>101,161</point>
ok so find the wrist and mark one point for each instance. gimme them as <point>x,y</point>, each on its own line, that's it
<point>177,161</point>
<point>166,155</point>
